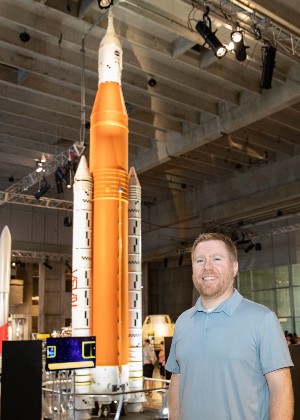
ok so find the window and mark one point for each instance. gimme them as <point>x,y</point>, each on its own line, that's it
<point>278,288</point>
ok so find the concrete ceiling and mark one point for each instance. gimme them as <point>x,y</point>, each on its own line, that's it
<point>205,123</point>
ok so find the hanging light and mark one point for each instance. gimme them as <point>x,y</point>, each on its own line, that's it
<point>204,29</point>
<point>44,187</point>
<point>47,265</point>
<point>239,47</point>
<point>105,4</point>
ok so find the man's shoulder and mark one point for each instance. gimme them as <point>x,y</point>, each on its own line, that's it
<point>186,315</point>
<point>255,307</point>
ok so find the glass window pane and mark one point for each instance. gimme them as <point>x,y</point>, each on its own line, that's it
<point>244,281</point>
<point>297,326</point>
<point>296,274</point>
<point>282,276</point>
<point>248,295</point>
<point>296,293</point>
<point>283,302</point>
<point>263,278</point>
<point>286,324</point>
<point>266,298</point>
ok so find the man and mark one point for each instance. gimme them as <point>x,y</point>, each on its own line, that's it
<point>149,359</point>
<point>229,358</point>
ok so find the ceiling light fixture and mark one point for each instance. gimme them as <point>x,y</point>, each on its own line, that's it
<point>239,47</point>
<point>24,36</point>
<point>67,221</point>
<point>69,177</point>
<point>105,4</point>
<point>152,82</point>
<point>204,29</point>
<point>44,187</point>
<point>58,181</point>
<point>46,264</point>
<point>249,247</point>
<point>39,165</point>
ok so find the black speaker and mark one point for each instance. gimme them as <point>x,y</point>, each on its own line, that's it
<point>168,342</point>
<point>21,385</point>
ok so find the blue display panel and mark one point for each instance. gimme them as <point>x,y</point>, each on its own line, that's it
<point>70,353</point>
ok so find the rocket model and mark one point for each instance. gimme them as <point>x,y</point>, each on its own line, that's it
<point>82,253</point>
<point>82,277</point>
<point>135,292</point>
<point>109,169</point>
<point>5,262</point>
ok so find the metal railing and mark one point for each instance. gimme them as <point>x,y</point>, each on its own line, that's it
<point>59,398</point>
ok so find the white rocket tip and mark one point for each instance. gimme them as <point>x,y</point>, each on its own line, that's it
<point>6,232</point>
<point>83,171</point>
<point>132,177</point>
<point>110,25</point>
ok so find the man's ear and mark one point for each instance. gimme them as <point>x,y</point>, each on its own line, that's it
<point>235,267</point>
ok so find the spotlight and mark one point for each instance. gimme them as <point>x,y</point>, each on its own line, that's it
<point>152,82</point>
<point>180,258</point>
<point>238,45</point>
<point>44,187</point>
<point>67,221</point>
<point>11,179</point>
<point>249,247</point>
<point>68,266</point>
<point>258,246</point>
<point>204,29</point>
<point>269,53</point>
<point>166,263</point>
<point>59,187</point>
<point>69,178</point>
<point>47,265</point>
<point>39,165</point>
<point>243,242</point>
<point>59,179</point>
<point>105,4</point>
<point>24,36</point>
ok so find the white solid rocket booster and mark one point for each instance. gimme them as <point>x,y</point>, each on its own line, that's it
<point>135,292</point>
<point>5,263</point>
<point>82,243</point>
<point>81,277</point>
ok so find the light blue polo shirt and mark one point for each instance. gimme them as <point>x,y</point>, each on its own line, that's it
<point>222,357</point>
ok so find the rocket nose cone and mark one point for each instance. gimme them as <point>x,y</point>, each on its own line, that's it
<point>5,234</point>
<point>110,36</point>
<point>83,171</point>
<point>132,177</point>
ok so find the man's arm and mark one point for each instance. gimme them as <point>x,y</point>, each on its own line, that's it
<point>281,394</point>
<point>173,397</point>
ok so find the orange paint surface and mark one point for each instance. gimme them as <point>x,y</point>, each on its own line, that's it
<point>109,168</point>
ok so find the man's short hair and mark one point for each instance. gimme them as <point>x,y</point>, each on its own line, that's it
<point>147,340</point>
<point>230,245</point>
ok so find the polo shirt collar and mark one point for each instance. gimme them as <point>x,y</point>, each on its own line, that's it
<point>229,306</point>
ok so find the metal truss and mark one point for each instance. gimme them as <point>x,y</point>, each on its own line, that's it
<point>277,231</point>
<point>39,256</point>
<point>49,168</point>
<point>30,200</point>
